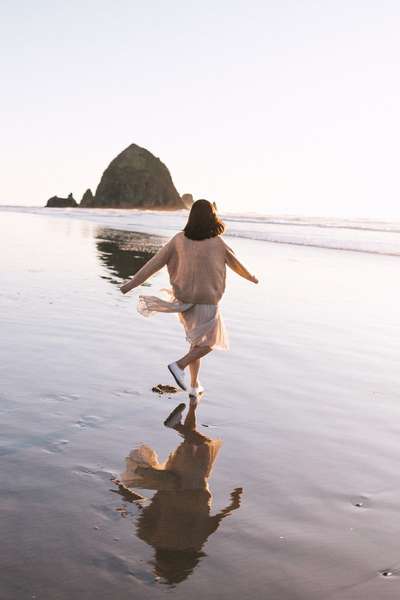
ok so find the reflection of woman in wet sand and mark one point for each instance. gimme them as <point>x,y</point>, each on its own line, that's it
<point>196,259</point>
<point>177,523</point>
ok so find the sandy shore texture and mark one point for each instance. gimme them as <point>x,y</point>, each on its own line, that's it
<point>301,501</point>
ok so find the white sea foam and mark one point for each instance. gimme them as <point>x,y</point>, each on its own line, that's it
<point>362,235</point>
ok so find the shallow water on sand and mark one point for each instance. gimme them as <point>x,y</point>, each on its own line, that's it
<point>301,501</point>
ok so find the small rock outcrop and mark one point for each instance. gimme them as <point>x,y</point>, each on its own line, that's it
<point>187,200</point>
<point>87,198</point>
<point>56,202</point>
<point>135,179</point>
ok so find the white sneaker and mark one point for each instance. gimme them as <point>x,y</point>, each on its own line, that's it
<point>175,417</point>
<point>178,375</point>
<point>196,391</point>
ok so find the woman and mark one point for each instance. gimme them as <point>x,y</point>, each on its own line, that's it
<point>196,260</point>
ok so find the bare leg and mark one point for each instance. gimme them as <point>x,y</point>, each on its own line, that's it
<point>193,358</point>
<point>194,373</point>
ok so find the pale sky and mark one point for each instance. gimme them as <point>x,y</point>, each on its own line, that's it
<point>272,106</point>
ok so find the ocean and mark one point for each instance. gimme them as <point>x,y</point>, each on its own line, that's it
<point>360,235</point>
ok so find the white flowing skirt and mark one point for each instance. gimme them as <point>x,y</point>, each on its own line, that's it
<point>203,323</point>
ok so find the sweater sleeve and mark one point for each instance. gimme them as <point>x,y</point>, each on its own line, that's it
<point>235,264</point>
<point>150,268</point>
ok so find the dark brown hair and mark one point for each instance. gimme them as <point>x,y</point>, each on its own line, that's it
<point>203,222</point>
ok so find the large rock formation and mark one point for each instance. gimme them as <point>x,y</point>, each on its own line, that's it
<point>135,179</point>
<point>57,202</point>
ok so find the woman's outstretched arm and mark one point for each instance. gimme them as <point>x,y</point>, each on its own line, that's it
<point>234,263</point>
<point>150,268</point>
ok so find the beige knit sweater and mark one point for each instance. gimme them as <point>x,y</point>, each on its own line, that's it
<point>196,269</point>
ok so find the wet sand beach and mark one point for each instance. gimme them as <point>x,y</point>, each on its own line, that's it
<point>300,501</point>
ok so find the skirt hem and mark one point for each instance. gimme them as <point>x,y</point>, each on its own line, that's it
<point>203,323</point>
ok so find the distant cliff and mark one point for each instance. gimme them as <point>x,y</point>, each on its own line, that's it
<point>135,179</point>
